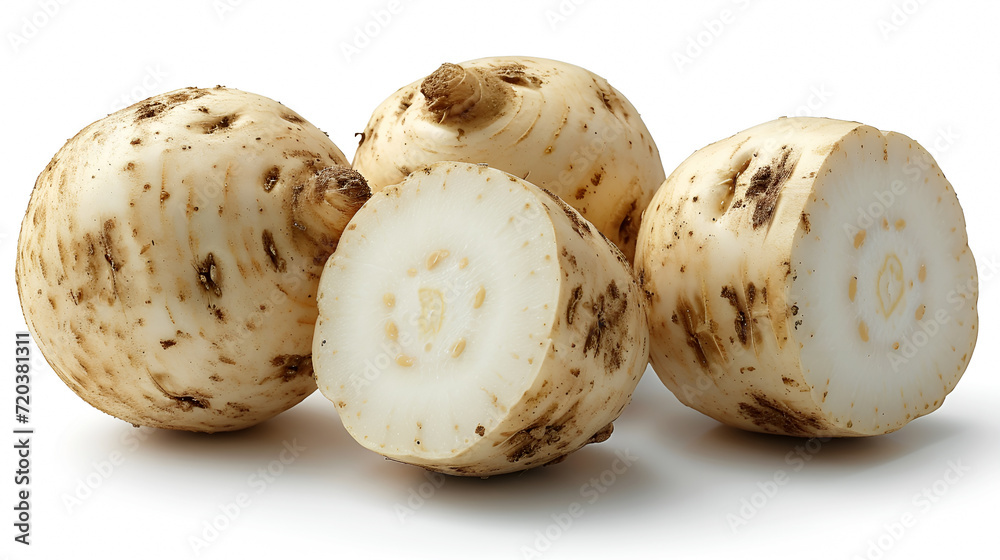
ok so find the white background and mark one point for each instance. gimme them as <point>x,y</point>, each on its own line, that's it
<point>927,69</point>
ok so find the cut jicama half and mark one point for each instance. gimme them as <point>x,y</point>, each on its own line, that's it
<point>474,324</point>
<point>809,277</point>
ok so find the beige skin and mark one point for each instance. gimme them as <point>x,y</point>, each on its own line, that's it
<point>170,253</point>
<point>573,374</point>
<point>788,283</point>
<point>559,126</point>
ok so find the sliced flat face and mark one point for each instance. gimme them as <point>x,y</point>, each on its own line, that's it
<point>436,310</point>
<point>884,284</point>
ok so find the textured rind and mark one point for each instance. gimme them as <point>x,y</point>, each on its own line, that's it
<point>709,248</point>
<point>566,130</point>
<point>592,365</point>
<point>169,256</point>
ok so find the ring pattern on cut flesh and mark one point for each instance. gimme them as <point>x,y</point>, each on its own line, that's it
<point>884,285</point>
<point>455,325</point>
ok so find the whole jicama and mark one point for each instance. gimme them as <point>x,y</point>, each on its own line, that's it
<point>474,324</point>
<point>554,124</point>
<point>809,277</point>
<point>169,257</point>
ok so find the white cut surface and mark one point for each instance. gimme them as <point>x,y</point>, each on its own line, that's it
<point>437,331</point>
<point>885,284</point>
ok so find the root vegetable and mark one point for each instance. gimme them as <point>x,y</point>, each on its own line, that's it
<point>809,277</point>
<point>474,324</point>
<point>170,253</point>
<point>557,125</point>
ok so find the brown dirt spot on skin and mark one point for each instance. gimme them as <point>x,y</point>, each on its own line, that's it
<point>462,470</point>
<point>581,193</point>
<point>526,443</point>
<point>606,97</point>
<point>271,177</point>
<point>642,285</point>
<point>608,329</point>
<point>776,417</point>
<point>404,104</point>
<point>480,430</point>
<point>570,258</point>
<point>543,432</point>
<point>574,300</point>
<point>210,275</point>
<point>580,225</point>
<point>628,229</point>
<point>219,125</point>
<point>596,179</point>
<point>158,105</point>
<point>516,74</point>
<point>575,372</point>
<point>240,408</point>
<point>742,329</point>
<point>136,141</point>
<point>291,366</point>
<point>789,381</point>
<point>295,119</point>
<point>187,94</point>
<point>766,184</point>
<point>167,343</point>
<point>100,251</point>
<point>186,400</point>
<point>805,222</point>
<point>272,251</point>
<point>741,323</point>
<point>150,109</point>
<point>751,294</point>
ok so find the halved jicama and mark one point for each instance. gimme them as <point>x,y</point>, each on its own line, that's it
<point>809,277</point>
<point>474,324</point>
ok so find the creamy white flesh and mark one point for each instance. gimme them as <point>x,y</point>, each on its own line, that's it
<point>445,338</point>
<point>819,282</point>
<point>456,313</point>
<point>896,289</point>
<point>557,125</point>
